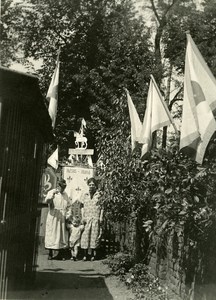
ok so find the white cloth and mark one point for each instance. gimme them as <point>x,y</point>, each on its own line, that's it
<point>52,94</point>
<point>136,125</point>
<point>198,122</point>
<point>156,116</point>
<point>56,236</point>
<point>75,235</point>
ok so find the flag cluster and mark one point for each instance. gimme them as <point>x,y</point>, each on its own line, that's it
<point>199,106</point>
<point>156,116</point>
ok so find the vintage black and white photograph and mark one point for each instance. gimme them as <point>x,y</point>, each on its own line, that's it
<point>108,149</point>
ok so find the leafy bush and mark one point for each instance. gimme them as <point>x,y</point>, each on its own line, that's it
<point>167,193</point>
<point>137,277</point>
<point>120,263</point>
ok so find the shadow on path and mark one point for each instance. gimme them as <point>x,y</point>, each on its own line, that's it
<point>66,280</point>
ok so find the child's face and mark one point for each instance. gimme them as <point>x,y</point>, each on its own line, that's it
<point>75,223</point>
<point>60,188</point>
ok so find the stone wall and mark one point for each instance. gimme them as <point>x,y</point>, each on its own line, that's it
<point>170,264</point>
<point>167,265</point>
<point>175,271</point>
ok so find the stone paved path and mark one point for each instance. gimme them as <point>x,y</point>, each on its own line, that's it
<point>74,280</point>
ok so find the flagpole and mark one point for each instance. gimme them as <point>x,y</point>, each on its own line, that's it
<point>164,105</point>
<point>154,134</point>
<point>58,54</point>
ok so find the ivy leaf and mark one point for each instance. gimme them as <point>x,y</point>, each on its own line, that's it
<point>196,199</point>
<point>147,223</point>
<point>168,191</point>
<point>182,213</point>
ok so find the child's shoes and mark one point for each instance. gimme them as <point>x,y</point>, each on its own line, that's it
<point>74,258</point>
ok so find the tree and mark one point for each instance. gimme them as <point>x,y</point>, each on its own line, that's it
<point>171,19</point>
<point>9,40</point>
<point>103,48</point>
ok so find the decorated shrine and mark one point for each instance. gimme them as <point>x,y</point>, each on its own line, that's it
<point>79,167</point>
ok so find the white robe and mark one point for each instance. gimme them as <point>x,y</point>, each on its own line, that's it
<point>56,235</point>
<point>75,235</point>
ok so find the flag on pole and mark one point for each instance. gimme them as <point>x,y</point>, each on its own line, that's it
<point>53,159</point>
<point>157,115</point>
<point>199,102</point>
<point>136,124</point>
<point>52,94</point>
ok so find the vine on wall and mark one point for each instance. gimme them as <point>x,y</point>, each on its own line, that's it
<point>166,192</point>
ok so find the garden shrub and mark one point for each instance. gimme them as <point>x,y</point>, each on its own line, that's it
<point>120,263</point>
<point>145,285</point>
<point>136,276</point>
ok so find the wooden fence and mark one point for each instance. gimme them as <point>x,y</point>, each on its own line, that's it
<point>24,128</point>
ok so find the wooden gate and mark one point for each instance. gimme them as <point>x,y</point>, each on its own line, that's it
<point>24,127</point>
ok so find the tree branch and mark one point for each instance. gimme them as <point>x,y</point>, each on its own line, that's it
<point>171,5</point>
<point>175,98</point>
<point>60,36</point>
<point>155,11</point>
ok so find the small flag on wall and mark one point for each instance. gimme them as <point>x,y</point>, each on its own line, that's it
<point>52,94</point>
<point>53,159</point>
<point>136,124</point>
<point>157,115</point>
<point>199,102</point>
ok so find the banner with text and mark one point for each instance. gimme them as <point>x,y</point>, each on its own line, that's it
<point>76,178</point>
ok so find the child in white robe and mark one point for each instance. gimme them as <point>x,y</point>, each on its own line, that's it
<point>75,230</point>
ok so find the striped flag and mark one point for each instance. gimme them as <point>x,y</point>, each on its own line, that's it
<point>157,115</point>
<point>52,94</point>
<point>199,103</point>
<point>53,159</point>
<point>136,124</point>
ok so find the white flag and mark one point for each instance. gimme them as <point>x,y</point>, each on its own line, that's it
<point>89,159</point>
<point>157,115</point>
<point>136,124</point>
<point>52,94</point>
<point>199,102</point>
<point>53,159</point>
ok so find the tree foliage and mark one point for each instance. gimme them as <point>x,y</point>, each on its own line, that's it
<point>9,39</point>
<point>103,49</point>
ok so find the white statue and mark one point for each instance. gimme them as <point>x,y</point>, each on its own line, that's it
<point>81,140</point>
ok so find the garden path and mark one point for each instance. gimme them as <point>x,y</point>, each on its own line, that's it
<point>75,281</point>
